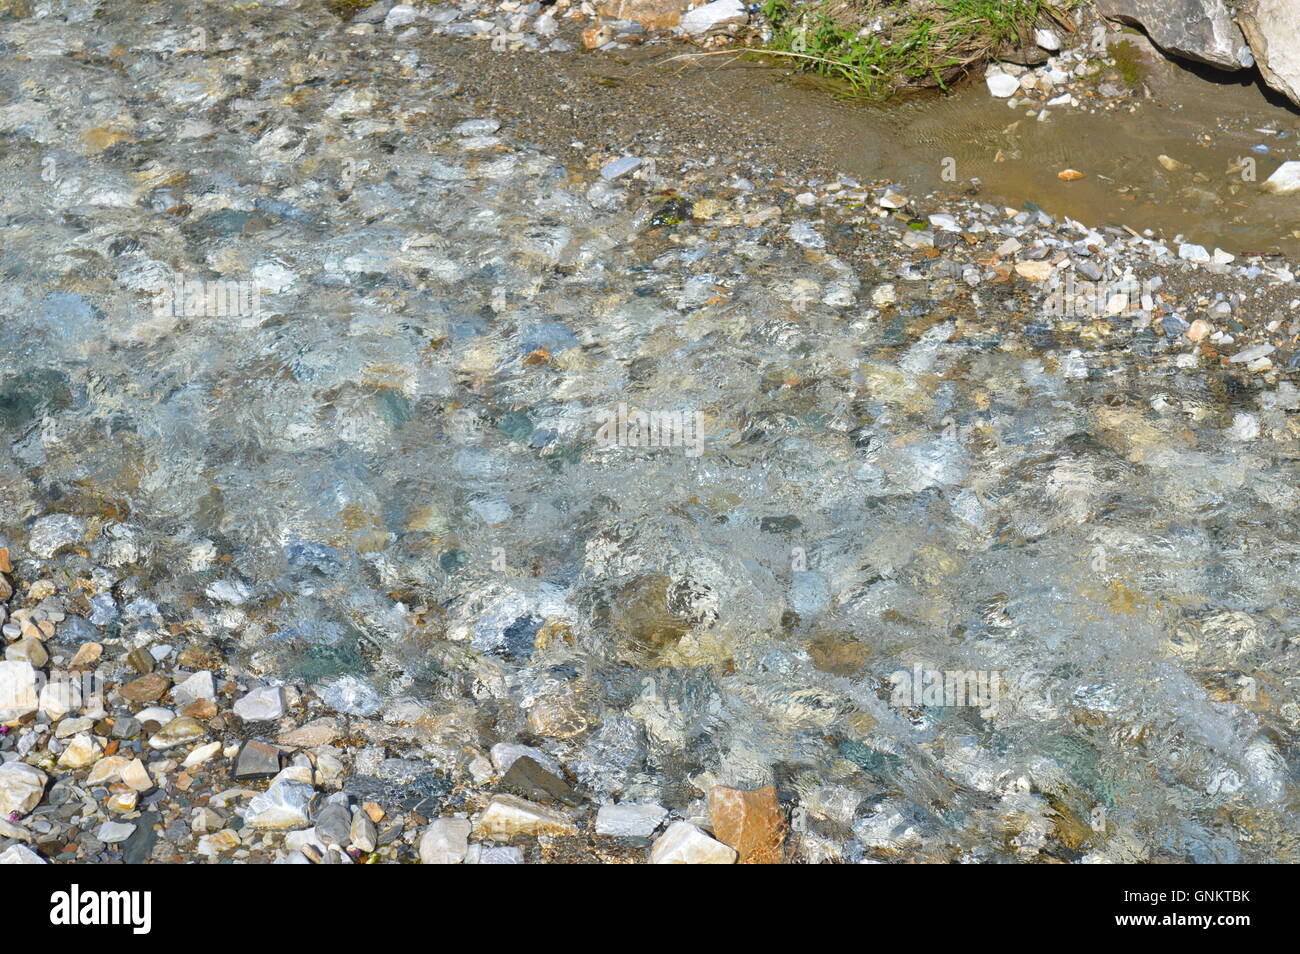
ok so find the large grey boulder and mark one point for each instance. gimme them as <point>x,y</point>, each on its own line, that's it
<point>1200,30</point>
<point>1273,29</point>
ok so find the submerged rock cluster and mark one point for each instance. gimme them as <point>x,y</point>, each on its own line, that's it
<point>313,550</point>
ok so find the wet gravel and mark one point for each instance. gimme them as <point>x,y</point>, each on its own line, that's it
<point>319,354</point>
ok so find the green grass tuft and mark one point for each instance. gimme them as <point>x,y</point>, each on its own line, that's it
<point>928,43</point>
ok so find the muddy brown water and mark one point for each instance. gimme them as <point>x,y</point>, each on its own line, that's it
<point>664,100</point>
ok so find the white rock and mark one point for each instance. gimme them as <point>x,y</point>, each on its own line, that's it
<point>157,714</point>
<point>1193,253</point>
<point>805,233</point>
<point>51,534</point>
<point>946,222</point>
<point>445,842</point>
<point>259,705</point>
<point>713,16</point>
<point>484,126</point>
<point>480,854</point>
<point>107,771</point>
<point>349,694</point>
<point>545,25</point>
<point>298,840</point>
<point>273,278</point>
<point>82,750</point>
<point>21,787</point>
<point>507,816</point>
<point>209,846</point>
<point>110,833</point>
<point>201,754</point>
<point>1047,39</point>
<point>1001,84</point>
<point>1251,354</point>
<point>362,832</point>
<point>196,687</point>
<point>58,698</point>
<point>18,695</point>
<point>629,821</point>
<point>684,844</point>
<point>1245,427</point>
<point>20,855</point>
<point>283,805</point>
<point>617,168</point>
<point>1285,180</point>
<point>401,15</point>
<point>236,592</point>
<point>505,754</point>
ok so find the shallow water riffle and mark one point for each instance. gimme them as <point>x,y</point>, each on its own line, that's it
<point>393,447</point>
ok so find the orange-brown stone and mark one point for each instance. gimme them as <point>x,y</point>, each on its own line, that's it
<point>750,821</point>
<point>200,709</point>
<point>651,14</point>
<point>148,688</point>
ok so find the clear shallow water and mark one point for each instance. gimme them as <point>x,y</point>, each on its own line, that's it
<point>388,483</point>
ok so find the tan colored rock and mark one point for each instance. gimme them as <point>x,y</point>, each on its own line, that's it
<point>507,816</point>
<point>83,750</point>
<point>87,655</point>
<point>1034,271</point>
<point>1272,28</point>
<point>320,732</point>
<point>29,649</point>
<point>107,770</point>
<point>596,36</point>
<point>556,717</point>
<point>750,821</point>
<point>70,727</point>
<point>178,732</point>
<point>1198,329</point>
<point>21,788</point>
<point>136,776</point>
<point>651,14</point>
<point>203,709</point>
<point>18,10</point>
<point>684,844</point>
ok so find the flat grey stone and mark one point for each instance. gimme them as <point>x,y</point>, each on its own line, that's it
<point>629,821</point>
